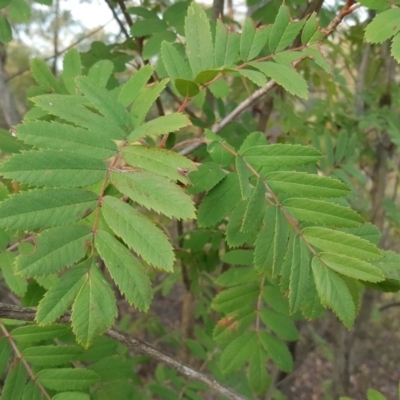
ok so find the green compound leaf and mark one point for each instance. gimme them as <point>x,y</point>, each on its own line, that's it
<point>34,333</point>
<point>75,109</point>
<point>5,3</point>
<point>100,72</point>
<point>126,270</point>
<point>226,46</point>
<point>175,16</point>
<point>186,87</point>
<point>375,4</point>
<point>238,257</point>
<point>257,373</point>
<point>61,295</point>
<point>315,54</point>
<point>260,40</point>
<point>288,57</point>
<point>10,144</point>
<point>152,46</point>
<point>281,155</point>
<point>94,309</point>
<point>46,208</point>
<point>207,76</point>
<point>155,193</point>
<point>56,249</point>
<point>247,38</point>
<point>322,212</point>
<point>148,26</point>
<point>283,31</point>
<point>271,243</point>
<point>232,299</point>
<point>63,137</point>
<point>282,325</point>
<point>395,48</point>
<point>384,26</point>
<point>234,236</point>
<point>238,352</point>
<point>44,76</point>
<point>285,76</point>
<point>255,209</point>
<point>16,283</point>
<point>341,243</point>
<point>236,276</point>
<point>352,267</point>
<point>51,355</point>
<point>219,154</point>
<point>160,161</point>
<point>50,168</point>
<point>334,293</point>
<point>174,63</point>
<point>219,201</point>
<point>72,67</point>
<point>19,11</point>
<point>311,307</point>
<point>31,391</point>
<point>61,379</point>
<point>303,184</point>
<point>5,30</point>
<point>205,177</point>
<point>273,297</point>
<point>131,89</point>
<point>200,49</point>
<point>281,23</point>
<point>145,100</point>
<point>45,2</point>
<point>256,77</point>
<point>251,140</point>
<point>243,174</point>
<point>14,384</point>
<point>277,351</point>
<point>138,233</point>
<point>310,30</point>
<point>159,126</point>
<point>299,263</point>
<point>105,103</point>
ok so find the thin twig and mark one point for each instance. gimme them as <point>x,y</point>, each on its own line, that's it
<point>22,359</point>
<point>389,305</point>
<point>120,23</point>
<point>347,9</point>
<point>22,71</point>
<point>233,114</point>
<point>28,314</point>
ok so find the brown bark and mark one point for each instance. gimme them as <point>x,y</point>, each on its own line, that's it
<point>218,9</point>
<point>55,36</point>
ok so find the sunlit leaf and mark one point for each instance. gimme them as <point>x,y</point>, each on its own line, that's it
<point>56,248</point>
<point>93,311</point>
<point>125,269</point>
<point>219,201</point>
<point>138,233</point>
<point>200,49</point>
<point>334,293</point>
